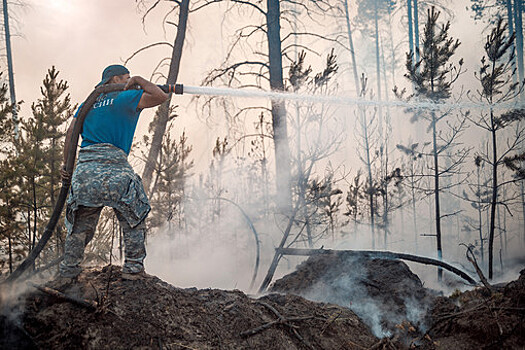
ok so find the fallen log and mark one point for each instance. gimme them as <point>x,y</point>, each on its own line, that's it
<point>377,254</point>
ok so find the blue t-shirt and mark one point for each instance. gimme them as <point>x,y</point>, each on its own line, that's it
<point>112,119</point>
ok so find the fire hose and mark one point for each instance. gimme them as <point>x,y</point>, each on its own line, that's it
<point>70,164</point>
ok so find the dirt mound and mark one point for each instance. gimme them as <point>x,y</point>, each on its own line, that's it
<point>384,293</point>
<point>479,319</point>
<point>394,303</point>
<point>149,313</point>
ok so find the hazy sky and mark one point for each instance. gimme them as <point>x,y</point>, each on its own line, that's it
<point>82,37</point>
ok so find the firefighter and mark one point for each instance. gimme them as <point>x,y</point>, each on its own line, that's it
<point>103,176</point>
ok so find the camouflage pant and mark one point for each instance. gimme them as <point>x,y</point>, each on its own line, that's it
<point>83,230</point>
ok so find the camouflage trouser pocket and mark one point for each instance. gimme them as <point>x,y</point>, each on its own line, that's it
<point>136,201</point>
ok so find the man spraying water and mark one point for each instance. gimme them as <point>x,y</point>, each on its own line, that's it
<point>103,176</point>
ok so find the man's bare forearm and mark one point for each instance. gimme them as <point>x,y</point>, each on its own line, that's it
<point>153,95</point>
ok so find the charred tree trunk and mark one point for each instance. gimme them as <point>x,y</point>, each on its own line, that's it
<point>436,193</point>
<point>352,52</point>
<point>162,117</point>
<point>10,252</point>
<point>410,27</point>
<point>278,255</point>
<point>416,29</point>
<point>374,254</point>
<point>480,219</point>
<point>10,68</point>
<point>518,21</point>
<point>510,21</point>
<point>280,132</point>
<point>494,196</point>
<point>371,191</point>
<point>378,60</point>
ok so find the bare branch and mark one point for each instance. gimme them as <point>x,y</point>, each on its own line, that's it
<point>250,4</point>
<point>145,48</point>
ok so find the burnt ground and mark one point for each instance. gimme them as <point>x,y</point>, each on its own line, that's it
<point>479,319</point>
<point>393,302</point>
<point>384,293</point>
<point>151,314</point>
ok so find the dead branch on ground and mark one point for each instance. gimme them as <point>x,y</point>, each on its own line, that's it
<point>89,304</point>
<point>282,321</point>
<point>472,258</point>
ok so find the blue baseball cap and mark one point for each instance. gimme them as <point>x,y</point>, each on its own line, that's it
<point>112,71</point>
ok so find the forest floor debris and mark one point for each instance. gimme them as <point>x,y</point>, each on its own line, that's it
<point>152,314</point>
<point>393,302</point>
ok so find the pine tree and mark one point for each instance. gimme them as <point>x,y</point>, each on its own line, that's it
<point>433,76</point>
<point>171,172</point>
<point>39,149</point>
<point>496,75</point>
<point>10,226</point>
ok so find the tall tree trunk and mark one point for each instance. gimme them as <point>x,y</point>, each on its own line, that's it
<point>378,81</point>
<point>384,153</point>
<point>510,21</point>
<point>480,219</point>
<point>494,198</point>
<point>162,116</point>
<point>35,212</point>
<point>410,28</point>
<point>522,189</point>
<point>416,29</point>
<point>370,182</point>
<point>518,14</point>
<point>392,49</point>
<point>10,67</point>
<point>436,193</point>
<point>10,242</point>
<point>280,132</point>
<point>378,59</point>
<point>414,211</point>
<point>352,52</point>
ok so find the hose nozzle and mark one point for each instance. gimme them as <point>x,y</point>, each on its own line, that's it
<point>177,89</point>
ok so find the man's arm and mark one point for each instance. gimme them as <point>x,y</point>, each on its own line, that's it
<point>152,96</point>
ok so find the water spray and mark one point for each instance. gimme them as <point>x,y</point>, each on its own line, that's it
<point>181,89</point>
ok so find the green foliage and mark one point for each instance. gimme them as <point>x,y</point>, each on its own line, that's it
<point>331,68</point>
<point>516,164</point>
<point>433,75</point>
<point>31,169</point>
<point>297,75</point>
<point>354,199</point>
<point>497,68</point>
<point>171,171</point>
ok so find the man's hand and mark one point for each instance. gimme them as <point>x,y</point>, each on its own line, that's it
<point>135,81</point>
<point>152,96</point>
